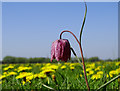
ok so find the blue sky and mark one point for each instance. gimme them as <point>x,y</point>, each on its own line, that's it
<point>28,28</point>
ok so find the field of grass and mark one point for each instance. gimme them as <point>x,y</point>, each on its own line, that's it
<point>58,75</point>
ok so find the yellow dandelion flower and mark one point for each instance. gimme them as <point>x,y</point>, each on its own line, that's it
<point>53,77</point>
<point>118,71</point>
<point>96,76</point>
<point>117,63</point>
<point>35,75</point>
<point>23,74</point>
<point>5,73</point>
<point>41,75</point>
<point>80,75</point>
<point>111,75</point>
<point>92,65</point>
<point>112,72</point>
<point>98,68</point>
<point>23,82</point>
<point>30,77</point>
<point>47,71</point>
<point>72,64</point>
<point>54,67</point>
<point>107,75</point>
<point>100,72</point>
<point>48,64</point>
<point>63,67</point>
<point>9,67</point>
<point>90,72</point>
<point>88,69</point>
<point>72,68</point>
<point>2,76</point>
<point>11,73</point>
<point>21,68</point>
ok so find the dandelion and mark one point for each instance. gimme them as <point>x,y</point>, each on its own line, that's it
<point>23,82</point>
<point>48,71</point>
<point>11,73</point>
<point>53,77</point>
<point>72,68</point>
<point>9,67</point>
<point>98,68</point>
<point>21,68</point>
<point>92,66</point>
<point>5,73</point>
<point>63,67</point>
<point>118,71</point>
<point>112,72</point>
<point>42,75</point>
<point>107,75</point>
<point>96,76</point>
<point>2,77</point>
<point>30,77</point>
<point>90,72</point>
<point>100,72</point>
<point>80,75</point>
<point>117,63</point>
<point>23,74</point>
<point>88,69</point>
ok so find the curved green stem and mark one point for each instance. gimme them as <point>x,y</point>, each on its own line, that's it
<point>83,22</point>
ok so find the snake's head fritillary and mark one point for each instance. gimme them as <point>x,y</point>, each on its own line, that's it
<point>60,50</point>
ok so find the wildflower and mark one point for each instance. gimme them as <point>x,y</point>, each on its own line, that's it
<point>30,77</point>
<point>53,77</point>
<point>113,72</point>
<point>63,67</point>
<point>117,63</point>
<point>72,68</point>
<point>23,82</point>
<point>60,50</point>
<point>96,76</point>
<point>9,67</point>
<point>80,75</point>
<point>21,68</point>
<point>41,75</point>
<point>88,69</point>
<point>11,73</point>
<point>24,74</point>
<point>2,76</point>
<point>90,72</point>
<point>107,75</point>
<point>98,68</point>
<point>100,72</point>
<point>118,71</point>
<point>5,73</point>
<point>48,71</point>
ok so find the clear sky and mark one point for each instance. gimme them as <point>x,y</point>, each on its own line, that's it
<point>29,28</point>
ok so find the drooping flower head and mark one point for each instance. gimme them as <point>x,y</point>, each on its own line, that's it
<point>60,50</point>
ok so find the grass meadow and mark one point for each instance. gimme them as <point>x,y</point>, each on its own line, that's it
<point>57,76</point>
